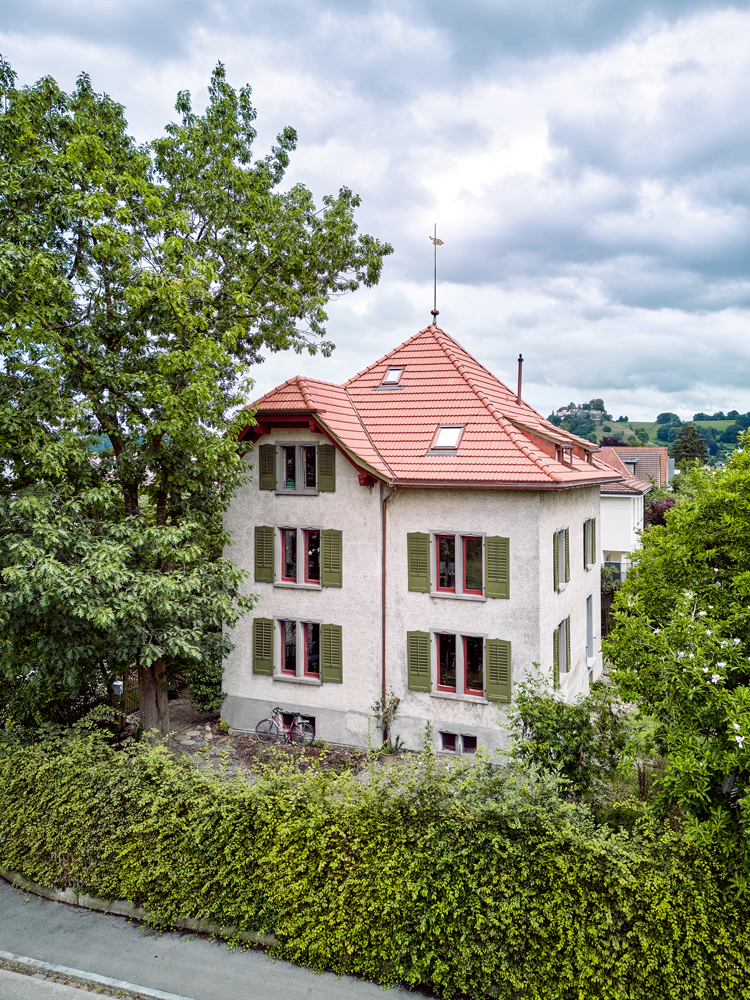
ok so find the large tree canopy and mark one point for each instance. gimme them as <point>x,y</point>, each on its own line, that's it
<point>137,284</point>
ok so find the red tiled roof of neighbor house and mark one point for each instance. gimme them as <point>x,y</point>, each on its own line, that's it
<point>629,483</point>
<point>652,463</point>
<point>391,431</point>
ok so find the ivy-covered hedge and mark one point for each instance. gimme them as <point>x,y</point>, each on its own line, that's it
<point>463,882</point>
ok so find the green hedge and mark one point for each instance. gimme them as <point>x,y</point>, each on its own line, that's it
<point>464,883</point>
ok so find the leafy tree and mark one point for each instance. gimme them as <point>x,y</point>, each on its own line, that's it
<point>732,415</point>
<point>719,415</point>
<point>622,420</point>
<point>668,418</point>
<point>657,509</point>
<point>596,404</point>
<point>615,441</point>
<point>642,434</point>
<point>667,432</point>
<point>689,445</point>
<point>137,284</point>
<point>701,416</point>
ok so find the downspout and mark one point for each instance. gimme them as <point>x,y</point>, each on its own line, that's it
<point>382,601</point>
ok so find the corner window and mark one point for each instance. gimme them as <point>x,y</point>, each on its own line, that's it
<point>392,376</point>
<point>447,438</point>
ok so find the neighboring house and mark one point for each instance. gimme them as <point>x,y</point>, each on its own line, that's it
<point>581,414</point>
<point>647,464</point>
<point>416,529</point>
<point>622,509</point>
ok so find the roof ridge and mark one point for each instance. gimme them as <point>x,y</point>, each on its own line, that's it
<point>369,436</point>
<point>381,360</point>
<point>502,420</point>
<point>309,401</point>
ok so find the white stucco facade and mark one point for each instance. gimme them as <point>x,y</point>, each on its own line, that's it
<point>527,618</point>
<point>621,522</point>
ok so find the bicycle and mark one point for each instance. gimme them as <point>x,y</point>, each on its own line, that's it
<point>299,731</point>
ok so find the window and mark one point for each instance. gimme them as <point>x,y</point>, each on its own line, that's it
<point>289,468</point>
<point>288,647</point>
<point>392,376</point>
<point>589,543</point>
<point>309,457</point>
<point>446,549</point>
<point>446,646</point>
<point>458,743</point>
<point>297,468</point>
<point>474,665</point>
<point>312,649</point>
<point>464,565</point>
<point>289,555</point>
<point>472,565</point>
<point>447,438</point>
<point>561,650</point>
<point>305,651</point>
<point>312,557</point>
<point>590,627</point>
<point>564,454</point>
<point>561,556</point>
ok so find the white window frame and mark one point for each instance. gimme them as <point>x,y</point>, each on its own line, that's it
<point>279,558</point>
<point>459,592</point>
<point>459,694</point>
<point>299,676</point>
<point>298,490</point>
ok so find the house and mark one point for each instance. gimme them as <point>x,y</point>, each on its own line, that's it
<point>622,508</point>
<point>647,464</point>
<point>418,529</point>
<point>579,412</point>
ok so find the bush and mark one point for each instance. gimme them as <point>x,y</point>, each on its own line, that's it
<point>465,880</point>
<point>582,741</point>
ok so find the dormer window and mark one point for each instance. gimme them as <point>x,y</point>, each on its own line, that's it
<point>392,376</point>
<point>447,438</point>
<point>564,454</point>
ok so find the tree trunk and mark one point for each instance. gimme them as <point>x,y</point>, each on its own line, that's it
<point>152,699</point>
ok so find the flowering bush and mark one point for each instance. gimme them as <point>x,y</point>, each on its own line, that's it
<point>691,672</point>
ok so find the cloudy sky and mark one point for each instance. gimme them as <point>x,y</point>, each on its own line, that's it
<point>587,164</point>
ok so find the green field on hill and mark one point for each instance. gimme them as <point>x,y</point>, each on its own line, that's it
<point>629,429</point>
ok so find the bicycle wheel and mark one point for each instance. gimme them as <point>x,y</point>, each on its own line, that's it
<point>267,731</point>
<point>302,733</point>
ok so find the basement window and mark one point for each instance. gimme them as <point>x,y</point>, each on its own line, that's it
<point>447,438</point>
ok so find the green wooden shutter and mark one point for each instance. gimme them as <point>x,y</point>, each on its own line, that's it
<point>556,558</point>
<point>267,467</point>
<point>585,544</point>
<point>498,670</point>
<point>331,570</point>
<point>326,468</point>
<point>556,658</point>
<point>330,647</point>
<point>567,555</point>
<point>418,661</point>
<point>264,555</point>
<point>567,643</point>
<point>262,646</point>
<point>593,541</point>
<point>418,556</point>
<point>496,567</point>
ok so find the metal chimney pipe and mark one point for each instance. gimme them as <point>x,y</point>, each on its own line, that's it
<point>520,366</point>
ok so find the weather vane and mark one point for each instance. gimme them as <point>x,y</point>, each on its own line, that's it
<point>436,243</point>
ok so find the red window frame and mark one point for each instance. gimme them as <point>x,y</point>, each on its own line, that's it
<point>284,668</point>
<point>312,531</point>
<point>284,533</point>
<point>467,689</point>
<point>315,674</point>
<point>444,590</point>
<point>464,540</point>
<point>442,687</point>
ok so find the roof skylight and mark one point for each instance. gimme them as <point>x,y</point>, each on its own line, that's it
<point>392,376</point>
<point>447,438</point>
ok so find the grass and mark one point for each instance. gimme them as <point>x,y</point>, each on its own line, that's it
<point>629,429</point>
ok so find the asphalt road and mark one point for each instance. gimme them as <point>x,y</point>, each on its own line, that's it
<point>191,967</point>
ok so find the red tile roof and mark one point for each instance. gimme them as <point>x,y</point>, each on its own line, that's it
<point>629,483</point>
<point>652,463</point>
<point>391,431</point>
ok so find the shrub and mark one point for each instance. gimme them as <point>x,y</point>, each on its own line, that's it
<point>466,880</point>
